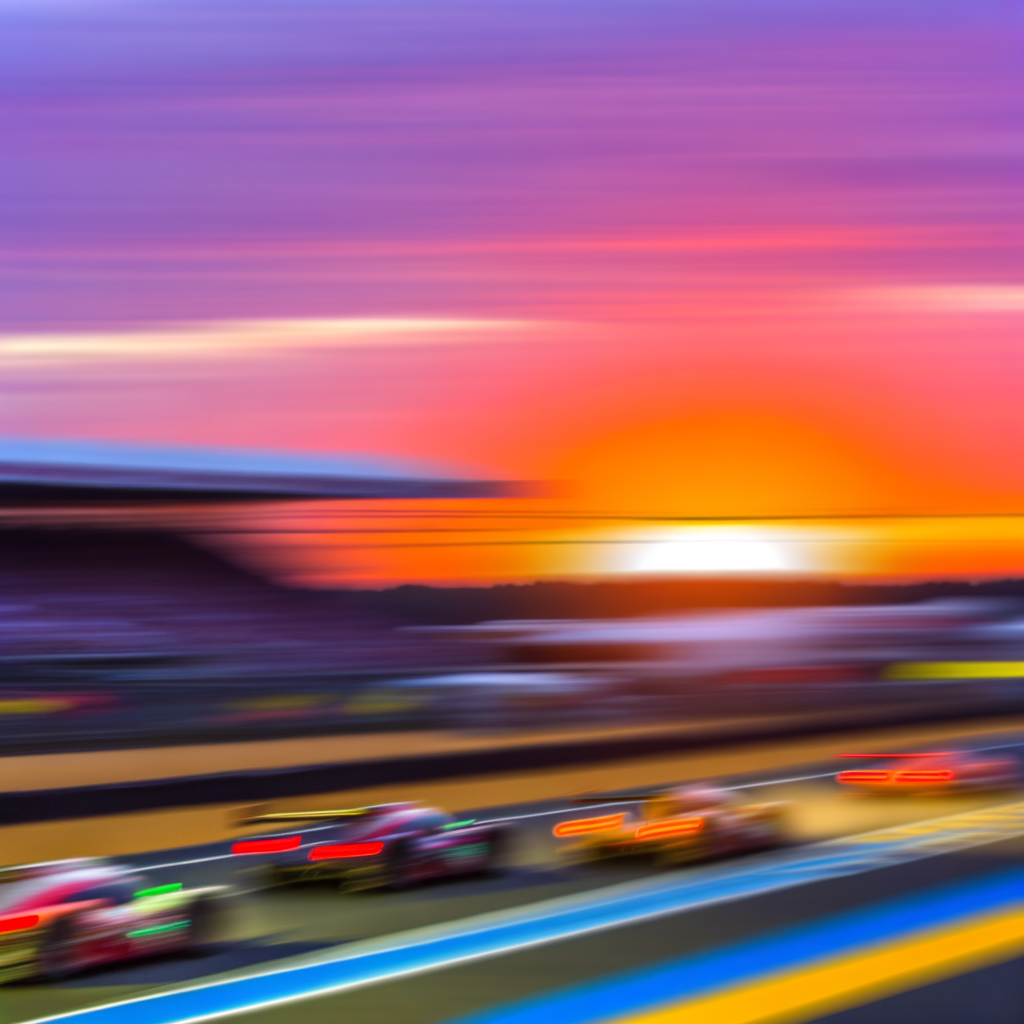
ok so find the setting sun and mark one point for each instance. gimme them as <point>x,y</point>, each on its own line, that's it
<point>713,551</point>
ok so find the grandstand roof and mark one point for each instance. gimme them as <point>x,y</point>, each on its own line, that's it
<point>37,472</point>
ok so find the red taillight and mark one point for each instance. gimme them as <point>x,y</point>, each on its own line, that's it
<point>583,826</point>
<point>923,777</point>
<point>338,850</point>
<point>678,827</point>
<point>267,845</point>
<point>19,924</point>
<point>863,776</point>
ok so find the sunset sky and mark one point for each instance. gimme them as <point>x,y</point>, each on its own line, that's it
<point>683,258</point>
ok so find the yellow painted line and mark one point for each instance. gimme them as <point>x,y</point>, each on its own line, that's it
<point>34,706</point>
<point>956,670</point>
<point>854,979</point>
<point>956,830</point>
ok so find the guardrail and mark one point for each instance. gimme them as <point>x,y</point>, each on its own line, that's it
<point>306,780</point>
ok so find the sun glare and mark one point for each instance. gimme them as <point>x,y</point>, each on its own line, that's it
<point>713,552</point>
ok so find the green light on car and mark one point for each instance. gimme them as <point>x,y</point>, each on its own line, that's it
<point>156,929</point>
<point>159,890</point>
<point>459,824</point>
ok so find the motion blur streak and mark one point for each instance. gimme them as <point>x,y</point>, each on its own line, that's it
<point>192,341</point>
<point>804,972</point>
<point>493,934</point>
<point>341,850</point>
<point>869,776</point>
<point>247,846</point>
<point>915,755</point>
<point>18,924</point>
<point>159,890</point>
<point>956,670</point>
<point>584,826</point>
<point>853,980</point>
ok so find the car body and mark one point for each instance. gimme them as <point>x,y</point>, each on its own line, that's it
<point>674,826</point>
<point>932,773</point>
<point>385,846</point>
<point>65,916</point>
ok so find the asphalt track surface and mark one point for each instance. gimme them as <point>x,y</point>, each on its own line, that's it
<point>283,923</point>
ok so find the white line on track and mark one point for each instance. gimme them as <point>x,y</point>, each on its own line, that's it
<point>782,782</point>
<point>547,814</point>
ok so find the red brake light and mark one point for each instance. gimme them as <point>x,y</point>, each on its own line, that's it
<point>863,776</point>
<point>583,826</point>
<point>923,777</point>
<point>336,851</point>
<point>19,924</point>
<point>679,827</point>
<point>267,845</point>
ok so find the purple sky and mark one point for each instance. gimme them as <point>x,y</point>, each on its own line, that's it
<point>198,159</point>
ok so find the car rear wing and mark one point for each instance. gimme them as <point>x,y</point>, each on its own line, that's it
<point>893,757</point>
<point>260,816</point>
<point>630,798</point>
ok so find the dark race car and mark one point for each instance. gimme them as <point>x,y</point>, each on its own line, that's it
<point>674,826</point>
<point>390,845</point>
<point>60,918</point>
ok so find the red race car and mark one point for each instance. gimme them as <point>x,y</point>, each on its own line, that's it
<point>60,918</point>
<point>390,845</point>
<point>937,773</point>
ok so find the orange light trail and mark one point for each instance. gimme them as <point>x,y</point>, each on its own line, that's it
<point>585,826</point>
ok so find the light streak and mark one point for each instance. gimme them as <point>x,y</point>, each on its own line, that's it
<point>247,846</point>
<point>586,826</point>
<point>337,851</point>
<point>19,924</point>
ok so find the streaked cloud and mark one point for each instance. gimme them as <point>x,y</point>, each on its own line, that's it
<point>243,337</point>
<point>966,298</point>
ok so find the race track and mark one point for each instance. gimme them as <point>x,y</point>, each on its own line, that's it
<point>274,925</point>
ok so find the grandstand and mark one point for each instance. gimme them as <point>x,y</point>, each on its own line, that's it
<point>149,629</point>
<point>81,598</point>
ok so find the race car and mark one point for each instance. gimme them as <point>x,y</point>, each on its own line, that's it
<point>62,917</point>
<point>934,773</point>
<point>674,826</point>
<point>384,846</point>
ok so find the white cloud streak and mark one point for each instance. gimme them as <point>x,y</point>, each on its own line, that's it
<point>961,298</point>
<point>225,339</point>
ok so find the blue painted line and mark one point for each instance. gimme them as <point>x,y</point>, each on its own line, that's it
<point>494,934</point>
<point>692,976</point>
